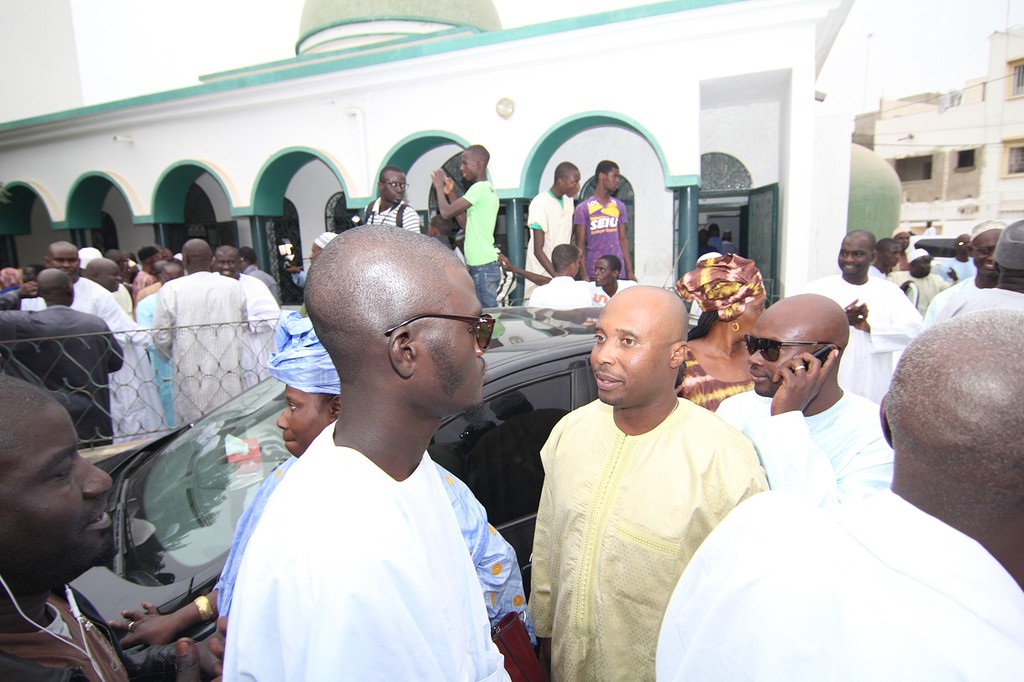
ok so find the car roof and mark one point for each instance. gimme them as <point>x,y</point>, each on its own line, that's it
<point>539,331</point>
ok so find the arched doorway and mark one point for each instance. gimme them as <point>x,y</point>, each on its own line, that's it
<point>200,222</point>
<point>749,215</point>
<point>192,202</point>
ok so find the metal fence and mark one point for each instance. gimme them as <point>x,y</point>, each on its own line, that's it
<point>139,384</point>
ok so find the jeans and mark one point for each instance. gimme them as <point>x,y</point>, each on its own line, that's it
<point>486,279</point>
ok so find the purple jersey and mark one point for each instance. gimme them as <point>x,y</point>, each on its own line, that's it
<point>602,230</point>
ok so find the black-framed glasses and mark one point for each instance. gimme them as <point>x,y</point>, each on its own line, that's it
<point>770,348</point>
<point>397,185</point>
<point>482,327</point>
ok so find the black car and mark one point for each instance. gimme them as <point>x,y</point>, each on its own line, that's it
<point>175,502</point>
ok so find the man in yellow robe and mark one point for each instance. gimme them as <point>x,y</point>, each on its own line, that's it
<point>634,483</point>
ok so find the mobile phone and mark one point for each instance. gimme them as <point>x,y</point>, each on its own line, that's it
<point>820,354</point>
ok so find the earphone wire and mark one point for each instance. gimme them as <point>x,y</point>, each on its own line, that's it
<point>74,609</point>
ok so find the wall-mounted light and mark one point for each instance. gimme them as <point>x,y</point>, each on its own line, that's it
<point>505,107</point>
<point>127,139</point>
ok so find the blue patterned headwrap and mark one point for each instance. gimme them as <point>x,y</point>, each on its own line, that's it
<point>300,360</point>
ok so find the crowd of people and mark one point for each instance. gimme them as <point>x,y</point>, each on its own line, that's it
<point>133,349</point>
<point>827,487</point>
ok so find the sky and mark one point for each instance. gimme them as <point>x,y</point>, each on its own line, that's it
<point>890,48</point>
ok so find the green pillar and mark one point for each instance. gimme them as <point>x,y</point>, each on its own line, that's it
<point>161,235</point>
<point>79,237</point>
<point>686,227</point>
<point>260,241</point>
<point>516,246</point>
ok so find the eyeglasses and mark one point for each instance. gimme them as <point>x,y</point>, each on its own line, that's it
<point>482,327</point>
<point>398,185</point>
<point>769,348</point>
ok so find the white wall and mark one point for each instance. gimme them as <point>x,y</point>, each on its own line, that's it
<point>749,132</point>
<point>309,190</point>
<point>130,237</point>
<point>357,116</point>
<point>41,69</point>
<point>32,247</point>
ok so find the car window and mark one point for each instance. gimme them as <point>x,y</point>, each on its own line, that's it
<point>182,505</point>
<point>495,447</point>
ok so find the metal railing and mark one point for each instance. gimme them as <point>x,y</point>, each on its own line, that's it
<point>130,385</point>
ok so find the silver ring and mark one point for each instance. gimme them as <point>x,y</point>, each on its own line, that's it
<point>799,367</point>
<point>131,624</point>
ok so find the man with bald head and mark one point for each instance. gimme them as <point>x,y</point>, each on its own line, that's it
<point>358,569</point>
<point>923,582</point>
<point>67,352</point>
<point>634,482</point>
<point>198,325</point>
<point>813,438</point>
<point>104,272</point>
<point>261,310</point>
<point>882,319</point>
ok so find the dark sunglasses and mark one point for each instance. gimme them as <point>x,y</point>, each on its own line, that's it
<point>482,327</point>
<point>769,348</point>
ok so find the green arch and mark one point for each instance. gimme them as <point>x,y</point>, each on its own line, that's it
<point>558,134</point>
<point>273,178</point>
<point>16,215</point>
<point>85,201</point>
<point>171,189</point>
<point>406,152</point>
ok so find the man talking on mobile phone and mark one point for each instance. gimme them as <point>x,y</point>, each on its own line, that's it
<point>813,438</point>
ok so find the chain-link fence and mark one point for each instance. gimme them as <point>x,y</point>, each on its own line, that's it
<point>139,384</point>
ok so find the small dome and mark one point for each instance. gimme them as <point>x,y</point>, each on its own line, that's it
<point>875,193</point>
<point>337,24</point>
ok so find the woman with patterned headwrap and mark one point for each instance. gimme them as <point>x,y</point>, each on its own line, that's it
<point>730,292</point>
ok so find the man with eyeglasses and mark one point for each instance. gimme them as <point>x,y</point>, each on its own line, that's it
<point>390,208</point>
<point>984,238</point>
<point>358,569</point>
<point>882,319</point>
<point>812,438</point>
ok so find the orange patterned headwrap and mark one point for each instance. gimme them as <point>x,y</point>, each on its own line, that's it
<point>725,284</point>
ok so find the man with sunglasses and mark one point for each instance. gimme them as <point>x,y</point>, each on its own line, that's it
<point>358,569</point>
<point>922,583</point>
<point>882,319</point>
<point>813,438</point>
<point>390,208</point>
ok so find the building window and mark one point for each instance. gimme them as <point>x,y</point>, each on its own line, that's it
<point>965,159</point>
<point>1017,79</point>
<point>1015,157</point>
<point>914,168</point>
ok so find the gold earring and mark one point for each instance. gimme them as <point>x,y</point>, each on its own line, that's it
<point>735,326</point>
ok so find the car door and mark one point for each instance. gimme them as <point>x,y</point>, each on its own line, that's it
<point>495,447</point>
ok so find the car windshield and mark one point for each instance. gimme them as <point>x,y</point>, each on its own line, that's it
<point>181,506</point>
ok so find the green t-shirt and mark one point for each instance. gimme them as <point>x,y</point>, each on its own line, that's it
<point>480,220</point>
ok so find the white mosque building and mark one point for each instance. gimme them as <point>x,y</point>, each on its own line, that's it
<point>708,107</point>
